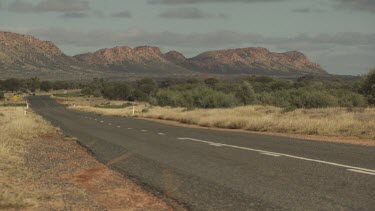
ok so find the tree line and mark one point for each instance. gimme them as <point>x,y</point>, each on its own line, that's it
<point>305,92</point>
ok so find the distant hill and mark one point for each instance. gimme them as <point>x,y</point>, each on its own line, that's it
<point>143,59</point>
<point>26,52</point>
<point>248,60</point>
<point>24,55</point>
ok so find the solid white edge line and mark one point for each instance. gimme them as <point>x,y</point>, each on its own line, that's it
<point>363,172</point>
<point>282,154</point>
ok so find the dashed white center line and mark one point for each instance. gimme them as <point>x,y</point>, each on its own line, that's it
<point>101,121</point>
<point>271,154</point>
<point>162,134</point>
<point>349,168</point>
<point>118,126</point>
<point>143,130</point>
<point>216,145</point>
<point>129,128</point>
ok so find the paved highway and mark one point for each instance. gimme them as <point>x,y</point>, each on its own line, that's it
<point>217,170</point>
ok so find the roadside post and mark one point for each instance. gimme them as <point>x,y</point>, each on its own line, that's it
<point>27,107</point>
<point>133,110</point>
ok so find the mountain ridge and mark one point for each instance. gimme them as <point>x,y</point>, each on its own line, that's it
<point>25,52</point>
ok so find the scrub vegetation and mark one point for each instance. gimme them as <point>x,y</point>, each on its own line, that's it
<point>305,92</point>
<point>335,106</point>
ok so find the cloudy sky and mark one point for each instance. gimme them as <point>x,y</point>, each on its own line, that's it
<point>338,34</point>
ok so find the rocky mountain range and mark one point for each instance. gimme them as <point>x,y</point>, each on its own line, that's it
<point>26,52</point>
<point>28,55</point>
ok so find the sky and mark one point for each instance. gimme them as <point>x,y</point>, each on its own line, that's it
<point>337,34</point>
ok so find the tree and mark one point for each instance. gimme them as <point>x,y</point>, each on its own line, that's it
<point>33,84</point>
<point>145,88</point>
<point>12,84</point>
<point>211,82</point>
<point>123,91</point>
<point>246,94</point>
<point>2,95</point>
<point>368,87</point>
<point>45,86</point>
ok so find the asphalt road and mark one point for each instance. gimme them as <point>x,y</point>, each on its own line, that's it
<point>216,170</point>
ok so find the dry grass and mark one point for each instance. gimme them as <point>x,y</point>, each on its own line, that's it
<point>16,130</point>
<point>338,122</point>
<point>327,122</point>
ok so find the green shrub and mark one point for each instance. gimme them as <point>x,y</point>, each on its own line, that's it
<point>368,87</point>
<point>289,108</point>
<point>204,97</point>
<point>245,94</point>
<point>108,105</point>
<point>45,86</point>
<point>201,97</point>
<point>2,97</point>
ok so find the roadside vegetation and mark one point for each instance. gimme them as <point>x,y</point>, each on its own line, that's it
<point>16,131</point>
<point>311,105</point>
<point>305,92</point>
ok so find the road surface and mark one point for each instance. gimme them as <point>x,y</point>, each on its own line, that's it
<point>216,170</point>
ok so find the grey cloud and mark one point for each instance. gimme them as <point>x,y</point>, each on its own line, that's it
<point>66,6</point>
<point>206,1</point>
<point>307,10</point>
<point>20,6</point>
<point>361,5</point>
<point>189,13</point>
<point>217,39</point>
<point>63,5</point>
<point>74,15</point>
<point>122,14</point>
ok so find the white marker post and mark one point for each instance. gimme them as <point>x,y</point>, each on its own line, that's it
<point>27,107</point>
<point>133,110</point>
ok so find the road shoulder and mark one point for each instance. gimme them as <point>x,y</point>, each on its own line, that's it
<point>52,172</point>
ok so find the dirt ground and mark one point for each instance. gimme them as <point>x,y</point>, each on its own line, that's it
<point>64,176</point>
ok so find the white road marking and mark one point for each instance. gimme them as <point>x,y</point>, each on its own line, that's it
<point>363,172</point>
<point>95,119</point>
<point>143,130</point>
<point>109,124</point>
<point>270,154</point>
<point>162,134</point>
<point>129,128</point>
<point>101,121</point>
<point>285,155</point>
<point>118,126</point>
<point>216,145</point>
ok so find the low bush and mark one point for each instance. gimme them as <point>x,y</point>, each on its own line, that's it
<point>107,105</point>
